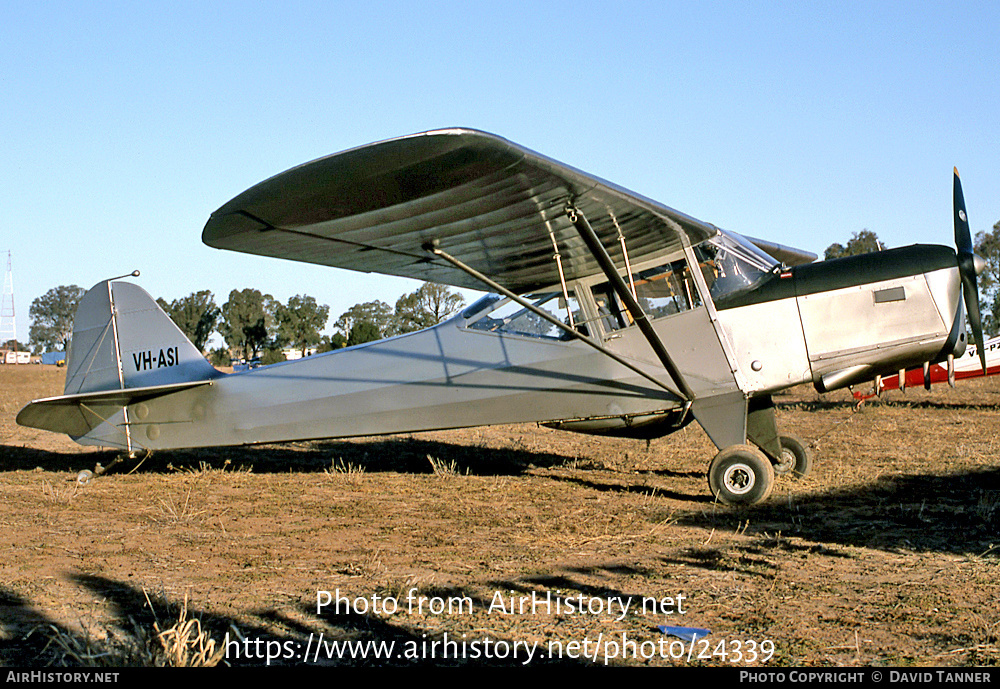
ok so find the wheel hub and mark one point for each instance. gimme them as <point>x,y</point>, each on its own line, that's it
<point>787,462</point>
<point>739,479</point>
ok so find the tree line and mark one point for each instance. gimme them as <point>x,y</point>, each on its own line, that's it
<point>254,325</point>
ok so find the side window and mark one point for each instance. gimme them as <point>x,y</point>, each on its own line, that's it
<point>660,291</point>
<point>610,312</point>
<point>666,289</point>
<point>511,318</point>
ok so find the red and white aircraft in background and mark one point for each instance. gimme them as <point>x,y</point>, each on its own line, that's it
<point>966,366</point>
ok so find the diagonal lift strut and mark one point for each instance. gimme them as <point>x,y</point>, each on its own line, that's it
<point>621,289</point>
<point>433,248</point>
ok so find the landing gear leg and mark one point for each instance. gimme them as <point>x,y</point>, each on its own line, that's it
<point>789,455</point>
<point>752,450</point>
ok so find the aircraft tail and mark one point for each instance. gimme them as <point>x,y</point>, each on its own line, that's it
<point>125,349</point>
<point>122,339</point>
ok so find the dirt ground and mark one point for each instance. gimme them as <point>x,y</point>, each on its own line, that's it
<point>886,555</point>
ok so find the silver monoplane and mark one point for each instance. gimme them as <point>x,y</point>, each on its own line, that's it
<point>609,314</point>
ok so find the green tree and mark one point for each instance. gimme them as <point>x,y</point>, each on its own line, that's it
<point>272,355</point>
<point>246,321</point>
<point>363,331</point>
<point>427,306</point>
<point>863,242</point>
<point>196,315</point>
<point>272,312</point>
<point>328,343</point>
<point>301,320</point>
<point>988,247</point>
<point>219,357</point>
<point>377,313</point>
<point>13,346</point>
<point>52,318</point>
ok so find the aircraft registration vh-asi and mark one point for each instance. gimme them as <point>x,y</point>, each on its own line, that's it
<point>609,314</point>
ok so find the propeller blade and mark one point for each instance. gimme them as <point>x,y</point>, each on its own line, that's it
<point>963,238</point>
<point>967,269</point>
<point>975,321</point>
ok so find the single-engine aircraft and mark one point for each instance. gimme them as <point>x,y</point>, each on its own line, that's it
<point>610,314</point>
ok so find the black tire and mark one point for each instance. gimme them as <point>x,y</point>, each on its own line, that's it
<point>741,475</point>
<point>796,460</point>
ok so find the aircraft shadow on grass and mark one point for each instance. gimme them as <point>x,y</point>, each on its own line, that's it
<point>951,513</point>
<point>957,512</point>
<point>406,455</point>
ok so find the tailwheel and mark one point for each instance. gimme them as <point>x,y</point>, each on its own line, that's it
<point>796,460</point>
<point>86,476</point>
<point>741,475</point>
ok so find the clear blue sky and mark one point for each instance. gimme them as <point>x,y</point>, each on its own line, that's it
<point>124,125</point>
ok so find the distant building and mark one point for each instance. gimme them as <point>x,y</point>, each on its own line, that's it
<point>53,358</point>
<point>292,354</point>
<point>16,357</point>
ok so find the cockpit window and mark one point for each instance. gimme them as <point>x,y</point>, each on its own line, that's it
<point>731,265</point>
<point>661,291</point>
<point>509,317</point>
<point>481,305</point>
<point>666,290</point>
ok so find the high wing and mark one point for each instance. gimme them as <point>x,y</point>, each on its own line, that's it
<point>496,206</point>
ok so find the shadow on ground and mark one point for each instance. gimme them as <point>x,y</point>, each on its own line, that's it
<point>953,513</point>
<point>396,454</point>
<point>131,637</point>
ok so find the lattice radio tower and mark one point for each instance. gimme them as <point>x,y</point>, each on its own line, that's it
<point>8,325</point>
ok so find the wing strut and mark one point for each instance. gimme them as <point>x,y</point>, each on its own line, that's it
<point>621,289</point>
<point>432,247</point>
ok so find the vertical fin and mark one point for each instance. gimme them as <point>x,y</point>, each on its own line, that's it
<point>135,345</point>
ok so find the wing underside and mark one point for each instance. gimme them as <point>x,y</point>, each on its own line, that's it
<point>496,206</point>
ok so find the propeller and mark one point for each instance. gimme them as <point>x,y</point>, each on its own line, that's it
<point>969,267</point>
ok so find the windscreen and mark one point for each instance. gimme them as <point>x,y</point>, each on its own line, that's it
<point>731,265</point>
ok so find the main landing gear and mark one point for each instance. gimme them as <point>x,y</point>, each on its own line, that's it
<point>744,475</point>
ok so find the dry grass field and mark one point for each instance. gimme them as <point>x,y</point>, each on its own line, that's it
<point>887,555</point>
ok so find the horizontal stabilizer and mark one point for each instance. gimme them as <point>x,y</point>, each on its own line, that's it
<point>77,415</point>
